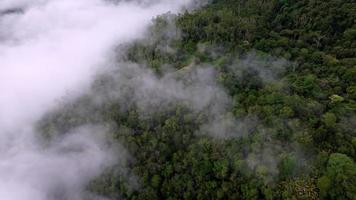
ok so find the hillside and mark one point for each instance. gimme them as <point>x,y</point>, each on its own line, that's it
<point>239,99</point>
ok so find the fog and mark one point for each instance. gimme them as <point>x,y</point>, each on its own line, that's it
<point>49,49</point>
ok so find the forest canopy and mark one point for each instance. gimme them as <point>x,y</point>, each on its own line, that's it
<point>239,99</point>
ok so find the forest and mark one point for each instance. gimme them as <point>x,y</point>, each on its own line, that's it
<point>238,99</point>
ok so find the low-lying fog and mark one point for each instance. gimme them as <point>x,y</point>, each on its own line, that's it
<point>49,49</point>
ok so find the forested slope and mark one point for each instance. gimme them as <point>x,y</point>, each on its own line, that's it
<point>242,99</point>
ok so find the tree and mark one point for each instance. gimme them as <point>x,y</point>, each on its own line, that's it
<point>339,181</point>
<point>287,166</point>
<point>329,119</point>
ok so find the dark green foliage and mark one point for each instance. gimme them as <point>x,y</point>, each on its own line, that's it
<point>339,181</point>
<point>303,146</point>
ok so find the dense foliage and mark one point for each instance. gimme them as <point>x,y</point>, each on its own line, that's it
<point>304,143</point>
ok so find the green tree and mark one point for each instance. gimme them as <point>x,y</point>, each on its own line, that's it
<point>339,181</point>
<point>329,119</point>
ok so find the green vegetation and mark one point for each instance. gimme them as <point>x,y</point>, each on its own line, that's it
<point>301,87</point>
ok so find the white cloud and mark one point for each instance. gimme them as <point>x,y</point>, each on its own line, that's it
<point>52,47</point>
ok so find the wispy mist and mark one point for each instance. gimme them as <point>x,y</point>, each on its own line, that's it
<point>47,49</point>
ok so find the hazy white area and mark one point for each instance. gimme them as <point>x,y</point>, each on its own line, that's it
<point>47,49</point>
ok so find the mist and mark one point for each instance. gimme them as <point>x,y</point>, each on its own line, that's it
<point>49,49</point>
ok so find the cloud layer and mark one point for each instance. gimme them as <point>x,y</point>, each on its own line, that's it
<point>48,48</point>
